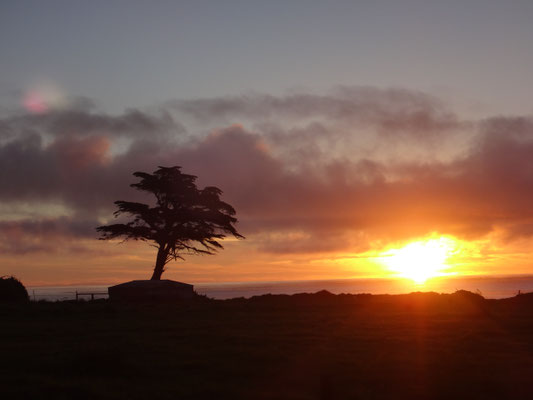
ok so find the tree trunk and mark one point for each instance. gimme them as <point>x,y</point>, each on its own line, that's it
<point>159,264</point>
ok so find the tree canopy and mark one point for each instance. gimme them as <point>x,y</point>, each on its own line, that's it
<point>184,220</point>
<point>12,290</point>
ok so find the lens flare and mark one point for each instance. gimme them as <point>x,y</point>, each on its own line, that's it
<point>43,98</point>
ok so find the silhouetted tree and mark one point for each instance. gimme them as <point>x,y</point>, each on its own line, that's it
<point>12,290</point>
<point>185,219</point>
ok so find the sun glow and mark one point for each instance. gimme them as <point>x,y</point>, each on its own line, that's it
<point>421,260</point>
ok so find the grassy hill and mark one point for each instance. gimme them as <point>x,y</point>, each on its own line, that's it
<point>307,346</point>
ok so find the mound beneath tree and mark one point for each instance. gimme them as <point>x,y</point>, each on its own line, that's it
<point>151,291</point>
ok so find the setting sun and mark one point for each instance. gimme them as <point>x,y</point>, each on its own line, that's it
<point>421,260</point>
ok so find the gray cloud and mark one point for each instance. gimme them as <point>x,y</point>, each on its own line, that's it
<point>303,184</point>
<point>391,111</point>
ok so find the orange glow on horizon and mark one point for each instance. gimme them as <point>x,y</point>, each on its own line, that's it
<point>241,261</point>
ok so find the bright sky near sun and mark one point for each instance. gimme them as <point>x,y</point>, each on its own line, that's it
<point>354,138</point>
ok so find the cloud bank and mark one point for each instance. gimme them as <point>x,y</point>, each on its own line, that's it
<point>306,172</point>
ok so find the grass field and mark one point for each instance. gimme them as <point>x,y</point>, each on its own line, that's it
<point>321,346</point>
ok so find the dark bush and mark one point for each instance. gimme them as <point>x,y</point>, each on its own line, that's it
<point>12,290</point>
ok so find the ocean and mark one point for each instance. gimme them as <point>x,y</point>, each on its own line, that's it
<point>489,287</point>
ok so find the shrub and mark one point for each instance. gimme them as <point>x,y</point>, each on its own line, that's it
<point>12,290</point>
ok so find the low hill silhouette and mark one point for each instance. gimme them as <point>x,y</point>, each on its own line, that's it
<point>461,301</point>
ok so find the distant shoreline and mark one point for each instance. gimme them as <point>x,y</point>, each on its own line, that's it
<point>490,287</point>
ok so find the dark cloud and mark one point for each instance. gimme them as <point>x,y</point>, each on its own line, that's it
<point>84,122</point>
<point>67,157</point>
<point>43,235</point>
<point>301,185</point>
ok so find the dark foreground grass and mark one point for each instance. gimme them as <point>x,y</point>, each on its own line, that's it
<point>418,346</point>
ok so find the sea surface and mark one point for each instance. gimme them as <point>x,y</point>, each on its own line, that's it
<point>489,287</point>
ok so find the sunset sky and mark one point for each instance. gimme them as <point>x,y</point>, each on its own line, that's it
<point>346,134</point>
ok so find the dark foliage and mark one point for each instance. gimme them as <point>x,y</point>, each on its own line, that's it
<point>185,219</point>
<point>12,290</point>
